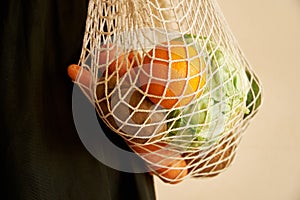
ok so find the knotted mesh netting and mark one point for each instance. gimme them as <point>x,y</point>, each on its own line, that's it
<point>169,77</point>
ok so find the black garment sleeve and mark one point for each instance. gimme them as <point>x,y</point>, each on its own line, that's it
<point>42,156</point>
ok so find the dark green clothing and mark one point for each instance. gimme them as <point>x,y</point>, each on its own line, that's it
<point>42,156</point>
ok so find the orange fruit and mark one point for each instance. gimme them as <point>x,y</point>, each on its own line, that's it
<point>166,162</point>
<point>124,63</point>
<point>172,77</point>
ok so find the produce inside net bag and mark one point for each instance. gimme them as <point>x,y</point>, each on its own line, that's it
<point>169,77</point>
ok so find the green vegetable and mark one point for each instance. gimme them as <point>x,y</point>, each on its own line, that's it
<point>254,95</point>
<point>222,103</point>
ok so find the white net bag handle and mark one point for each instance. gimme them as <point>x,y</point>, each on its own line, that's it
<point>170,78</point>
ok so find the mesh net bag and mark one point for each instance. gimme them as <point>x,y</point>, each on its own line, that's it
<point>169,77</point>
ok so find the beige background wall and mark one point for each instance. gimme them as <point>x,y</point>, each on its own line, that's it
<point>267,166</point>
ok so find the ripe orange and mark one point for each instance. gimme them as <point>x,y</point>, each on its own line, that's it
<point>172,77</point>
<point>166,162</point>
<point>116,61</point>
<point>124,63</point>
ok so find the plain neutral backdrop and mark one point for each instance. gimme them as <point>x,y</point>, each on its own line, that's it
<point>267,165</point>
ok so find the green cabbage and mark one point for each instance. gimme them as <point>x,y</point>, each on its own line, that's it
<point>221,105</point>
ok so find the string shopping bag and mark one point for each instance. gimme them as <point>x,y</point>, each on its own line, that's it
<point>169,77</point>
